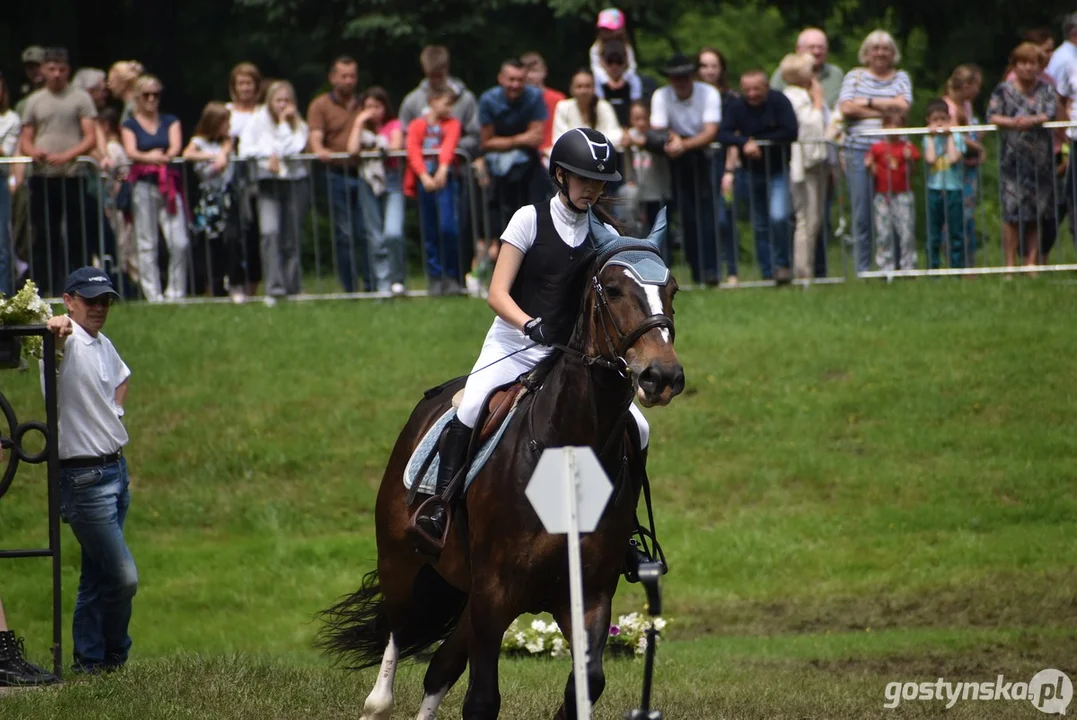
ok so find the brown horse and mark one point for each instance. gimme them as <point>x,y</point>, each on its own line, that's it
<point>499,562</point>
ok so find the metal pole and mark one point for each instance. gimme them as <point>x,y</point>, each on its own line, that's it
<point>53,467</point>
<point>575,584</point>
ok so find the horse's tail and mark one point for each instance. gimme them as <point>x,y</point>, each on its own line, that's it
<point>357,628</point>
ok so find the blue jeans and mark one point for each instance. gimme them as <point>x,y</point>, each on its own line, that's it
<point>351,199</point>
<point>772,210</point>
<point>861,194</point>
<point>385,215</point>
<point>6,267</point>
<point>94,502</point>
<point>441,230</point>
<point>945,207</point>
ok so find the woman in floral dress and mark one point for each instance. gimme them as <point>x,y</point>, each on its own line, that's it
<point>1019,107</point>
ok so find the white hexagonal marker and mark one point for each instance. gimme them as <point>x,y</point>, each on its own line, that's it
<point>569,491</point>
<point>550,498</point>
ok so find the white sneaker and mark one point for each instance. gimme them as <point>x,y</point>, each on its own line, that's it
<point>474,288</point>
<point>270,301</point>
<point>397,289</point>
<point>238,297</point>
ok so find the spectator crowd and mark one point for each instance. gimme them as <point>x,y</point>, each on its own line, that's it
<point>781,146</point>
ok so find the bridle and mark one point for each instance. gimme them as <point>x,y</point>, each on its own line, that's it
<point>618,348</point>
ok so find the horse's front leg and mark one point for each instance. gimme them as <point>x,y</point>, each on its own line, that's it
<point>490,616</point>
<point>596,622</point>
<point>445,668</point>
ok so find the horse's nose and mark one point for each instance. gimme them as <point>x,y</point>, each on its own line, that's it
<point>654,379</point>
<point>678,380</point>
<point>650,380</point>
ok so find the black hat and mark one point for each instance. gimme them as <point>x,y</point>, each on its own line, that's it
<point>679,66</point>
<point>89,282</point>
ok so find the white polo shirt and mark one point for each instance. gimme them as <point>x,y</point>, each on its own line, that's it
<point>90,424</point>
<point>686,117</point>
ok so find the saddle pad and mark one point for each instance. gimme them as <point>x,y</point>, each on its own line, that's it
<point>428,445</point>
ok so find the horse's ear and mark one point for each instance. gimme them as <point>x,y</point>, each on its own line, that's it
<point>600,234</point>
<point>658,232</point>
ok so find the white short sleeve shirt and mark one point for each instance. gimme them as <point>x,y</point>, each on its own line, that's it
<point>90,419</point>
<point>686,117</point>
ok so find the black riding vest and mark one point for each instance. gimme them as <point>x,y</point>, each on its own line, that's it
<point>543,286</point>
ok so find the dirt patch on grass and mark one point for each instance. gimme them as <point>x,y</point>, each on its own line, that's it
<point>1018,660</point>
<point>1012,600</point>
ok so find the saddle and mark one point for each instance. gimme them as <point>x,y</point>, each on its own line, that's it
<point>498,407</point>
<point>495,410</point>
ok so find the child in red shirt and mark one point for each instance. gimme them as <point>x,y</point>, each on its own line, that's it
<point>437,187</point>
<point>891,160</point>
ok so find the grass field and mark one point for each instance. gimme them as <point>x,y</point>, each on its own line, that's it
<point>861,484</point>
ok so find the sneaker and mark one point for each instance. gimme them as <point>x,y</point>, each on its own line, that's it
<point>732,281</point>
<point>398,289</point>
<point>452,286</point>
<point>238,297</point>
<point>474,287</point>
<point>435,288</point>
<point>270,301</point>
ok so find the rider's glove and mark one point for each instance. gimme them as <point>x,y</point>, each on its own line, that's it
<point>538,331</point>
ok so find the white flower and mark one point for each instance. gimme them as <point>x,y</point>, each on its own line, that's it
<point>535,646</point>
<point>659,624</point>
<point>538,626</point>
<point>557,647</point>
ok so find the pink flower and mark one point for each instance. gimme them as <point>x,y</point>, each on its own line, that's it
<point>614,630</point>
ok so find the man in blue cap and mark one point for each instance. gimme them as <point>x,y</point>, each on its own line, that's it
<point>94,495</point>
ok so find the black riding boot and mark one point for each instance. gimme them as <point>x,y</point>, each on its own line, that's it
<point>14,669</point>
<point>451,457</point>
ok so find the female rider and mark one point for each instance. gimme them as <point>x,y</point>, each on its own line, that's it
<point>543,248</point>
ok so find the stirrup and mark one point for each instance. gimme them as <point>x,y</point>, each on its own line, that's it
<point>423,541</point>
<point>639,555</point>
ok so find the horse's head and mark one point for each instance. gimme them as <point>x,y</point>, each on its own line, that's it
<point>628,311</point>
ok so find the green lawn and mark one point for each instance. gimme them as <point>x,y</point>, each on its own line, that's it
<point>861,484</point>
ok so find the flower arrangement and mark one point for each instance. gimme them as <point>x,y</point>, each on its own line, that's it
<point>627,637</point>
<point>26,308</point>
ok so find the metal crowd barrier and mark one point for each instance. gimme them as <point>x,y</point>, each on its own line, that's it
<point>201,241</point>
<point>749,232</point>
<point>990,237</point>
<point>341,229</point>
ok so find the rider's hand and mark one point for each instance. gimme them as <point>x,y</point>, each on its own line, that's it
<point>538,331</point>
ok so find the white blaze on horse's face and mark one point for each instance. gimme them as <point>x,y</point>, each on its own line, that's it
<point>654,299</point>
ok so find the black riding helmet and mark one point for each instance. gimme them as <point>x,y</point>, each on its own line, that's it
<point>587,153</point>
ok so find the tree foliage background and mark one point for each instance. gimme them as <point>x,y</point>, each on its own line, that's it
<point>192,44</point>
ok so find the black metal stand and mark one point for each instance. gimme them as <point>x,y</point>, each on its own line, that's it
<point>649,575</point>
<point>50,455</point>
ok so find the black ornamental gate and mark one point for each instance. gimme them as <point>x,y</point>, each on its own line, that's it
<point>12,434</point>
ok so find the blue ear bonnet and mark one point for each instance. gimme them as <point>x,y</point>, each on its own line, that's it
<point>640,256</point>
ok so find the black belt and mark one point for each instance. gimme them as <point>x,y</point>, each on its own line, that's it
<point>87,462</point>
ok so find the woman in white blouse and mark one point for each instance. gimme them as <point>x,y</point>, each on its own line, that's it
<point>275,132</point>
<point>585,109</point>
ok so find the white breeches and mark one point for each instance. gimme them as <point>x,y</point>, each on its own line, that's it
<point>501,340</point>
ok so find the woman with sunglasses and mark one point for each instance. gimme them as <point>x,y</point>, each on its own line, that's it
<point>152,140</point>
